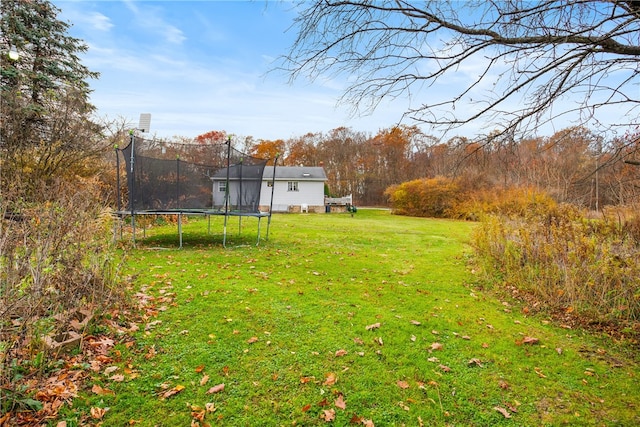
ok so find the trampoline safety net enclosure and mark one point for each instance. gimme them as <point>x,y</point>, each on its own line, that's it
<point>191,179</point>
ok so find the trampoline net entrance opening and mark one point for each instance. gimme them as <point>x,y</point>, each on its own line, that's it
<point>191,179</point>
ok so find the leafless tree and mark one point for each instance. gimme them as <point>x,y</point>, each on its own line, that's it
<point>513,65</point>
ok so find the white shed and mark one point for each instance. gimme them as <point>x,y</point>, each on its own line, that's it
<point>295,189</point>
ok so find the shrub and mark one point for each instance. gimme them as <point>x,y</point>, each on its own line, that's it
<point>444,197</point>
<point>566,261</point>
<point>54,256</point>
<point>432,197</point>
<point>518,201</point>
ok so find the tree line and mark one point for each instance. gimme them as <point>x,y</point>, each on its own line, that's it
<point>574,165</point>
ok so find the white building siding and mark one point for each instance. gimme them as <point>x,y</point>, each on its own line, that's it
<point>310,193</point>
<point>309,182</point>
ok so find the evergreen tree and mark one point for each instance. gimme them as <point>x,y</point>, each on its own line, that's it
<point>46,113</point>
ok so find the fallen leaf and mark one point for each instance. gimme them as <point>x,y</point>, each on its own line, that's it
<point>101,391</point>
<point>306,407</point>
<point>530,340</point>
<point>373,326</point>
<point>252,340</point>
<point>97,413</point>
<point>328,415</point>
<point>539,372</point>
<point>413,338</point>
<point>330,379</point>
<point>216,389</point>
<point>117,378</point>
<point>110,369</point>
<point>210,407</point>
<point>200,369</point>
<point>444,368</point>
<point>341,353</point>
<point>435,346</point>
<point>358,341</point>
<point>304,380</point>
<point>340,403</point>
<point>403,384</point>
<point>503,411</point>
<point>475,362</point>
<point>415,322</point>
<point>355,419</point>
<point>171,392</point>
<point>60,424</point>
<point>204,379</point>
<point>503,384</point>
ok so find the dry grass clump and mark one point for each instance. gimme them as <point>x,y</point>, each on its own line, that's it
<point>567,262</point>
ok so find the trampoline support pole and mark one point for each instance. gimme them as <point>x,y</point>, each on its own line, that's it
<point>132,187</point>
<point>227,194</point>
<point>258,241</point>
<point>273,186</point>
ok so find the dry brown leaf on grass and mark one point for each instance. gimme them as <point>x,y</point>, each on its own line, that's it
<point>97,413</point>
<point>204,379</point>
<point>328,415</point>
<point>503,411</point>
<point>373,326</point>
<point>475,362</point>
<point>435,346</point>
<point>330,379</point>
<point>117,378</point>
<point>172,392</point>
<point>402,384</point>
<point>340,403</point>
<point>101,391</point>
<point>252,340</point>
<point>216,389</point>
<point>341,353</point>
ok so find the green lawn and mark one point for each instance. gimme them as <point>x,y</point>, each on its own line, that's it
<point>339,319</point>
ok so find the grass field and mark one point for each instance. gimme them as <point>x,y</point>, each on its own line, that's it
<point>367,320</point>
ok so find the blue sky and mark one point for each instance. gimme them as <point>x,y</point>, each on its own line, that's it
<point>198,66</point>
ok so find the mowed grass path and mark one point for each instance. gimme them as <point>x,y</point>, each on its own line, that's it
<point>346,320</point>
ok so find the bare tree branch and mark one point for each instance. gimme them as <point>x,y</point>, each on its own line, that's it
<point>520,63</point>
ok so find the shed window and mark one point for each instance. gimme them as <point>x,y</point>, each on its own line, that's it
<point>292,186</point>
<point>222,186</point>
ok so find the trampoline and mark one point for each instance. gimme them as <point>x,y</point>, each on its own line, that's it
<point>190,180</point>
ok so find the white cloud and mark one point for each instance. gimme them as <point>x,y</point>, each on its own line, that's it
<point>99,21</point>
